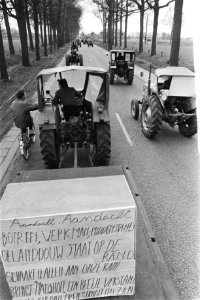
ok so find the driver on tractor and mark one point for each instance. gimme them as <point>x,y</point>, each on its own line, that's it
<point>120,57</point>
<point>70,99</point>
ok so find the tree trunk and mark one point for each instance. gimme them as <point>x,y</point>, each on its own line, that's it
<point>4,73</point>
<point>155,27</point>
<point>141,29</point>
<point>21,21</point>
<point>146,28</point>
<point>29,28</point>
<point>9,35</point>
<point>116,23</point>
<point>120,30</point>
<point>36,29</point>
<point>41,31</point>
<point>45,28</point>
<point>54,37</point>
<point>113,28</point>
<point>50,39</point>
<point>174,55</point>
<point>104,27</point>
<point>126,25</point>
<point>110,25</point>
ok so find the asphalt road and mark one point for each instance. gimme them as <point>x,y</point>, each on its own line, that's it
<point>166,171</point>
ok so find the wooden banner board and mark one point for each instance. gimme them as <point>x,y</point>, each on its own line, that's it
<point>69,239</point>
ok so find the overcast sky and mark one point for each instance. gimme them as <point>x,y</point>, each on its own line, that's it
<point>91,23</point>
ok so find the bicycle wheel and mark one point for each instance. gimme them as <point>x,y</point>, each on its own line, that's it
<point>25,140</point>
<point>32,136</point>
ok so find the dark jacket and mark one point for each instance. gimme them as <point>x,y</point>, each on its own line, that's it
<point>67,96</point>
<point>21,111</point>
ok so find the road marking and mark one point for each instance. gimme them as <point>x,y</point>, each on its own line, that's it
<point>124,130</point>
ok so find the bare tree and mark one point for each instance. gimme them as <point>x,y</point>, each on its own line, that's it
<point>36,28</point>
<point>20,16</point>
<point>141,7</point>
<point>8,31</point>
<point>175,47</point>
<point>3,65</point>
<point>156,8</point>
<point>126,25</point>
<point>29,26</point>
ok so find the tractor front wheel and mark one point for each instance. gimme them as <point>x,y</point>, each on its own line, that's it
<point>103,143</point>
<point>49,149</point>
<point>151,116</point>
<point>189,126</point>
<point>112,76</point>
<point>135,109</point>
<point>67,60</point>
<point>130,77</point>
<point>81,60</point>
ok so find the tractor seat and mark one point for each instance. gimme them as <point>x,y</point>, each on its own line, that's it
<point>121,62</point>
<point>70,111</point>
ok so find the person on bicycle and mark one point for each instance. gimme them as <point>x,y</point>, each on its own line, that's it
<point>21,111</point>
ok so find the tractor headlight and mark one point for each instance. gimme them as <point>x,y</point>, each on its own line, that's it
<point>100,108</point>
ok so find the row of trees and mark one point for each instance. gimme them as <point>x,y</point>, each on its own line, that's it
<point>114,12</point>
<point>55,23</point>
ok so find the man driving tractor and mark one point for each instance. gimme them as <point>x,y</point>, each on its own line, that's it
<point>70,99</point>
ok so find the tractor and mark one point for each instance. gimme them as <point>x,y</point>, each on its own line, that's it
<point>168,96</point>
<point>74,58</point>
<point>122,65</point>
<point>90,43</point>
<point>88,125</point>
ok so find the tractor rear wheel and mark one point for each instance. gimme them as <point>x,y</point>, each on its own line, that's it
<point>135,109</point>
<point>151,116</point>
<point>49,149</point>
<point>81,59</point>
<point>103,143</point>
<point>112,76</point>
<point>130,77</point>
<point>67,60</point>
<point>189,126</point>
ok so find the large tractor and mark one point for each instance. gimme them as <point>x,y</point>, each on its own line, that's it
<point>88,126</point>
<point>168,96</point>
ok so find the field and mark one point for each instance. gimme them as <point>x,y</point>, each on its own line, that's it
<point>163,53</point>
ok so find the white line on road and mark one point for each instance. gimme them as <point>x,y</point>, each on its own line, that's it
<point>124,130</point>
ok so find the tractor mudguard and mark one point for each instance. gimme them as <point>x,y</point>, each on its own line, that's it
<point>189,105</point>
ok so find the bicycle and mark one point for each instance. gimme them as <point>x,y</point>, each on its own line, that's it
<point>25,141</point>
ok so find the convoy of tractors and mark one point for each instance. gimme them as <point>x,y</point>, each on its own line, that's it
<point>169,97</point>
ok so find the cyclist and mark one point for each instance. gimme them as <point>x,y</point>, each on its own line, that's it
<point>21,111</point>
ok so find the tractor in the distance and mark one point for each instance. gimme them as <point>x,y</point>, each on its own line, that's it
<point>121,65</point>
<point>74,57</point>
